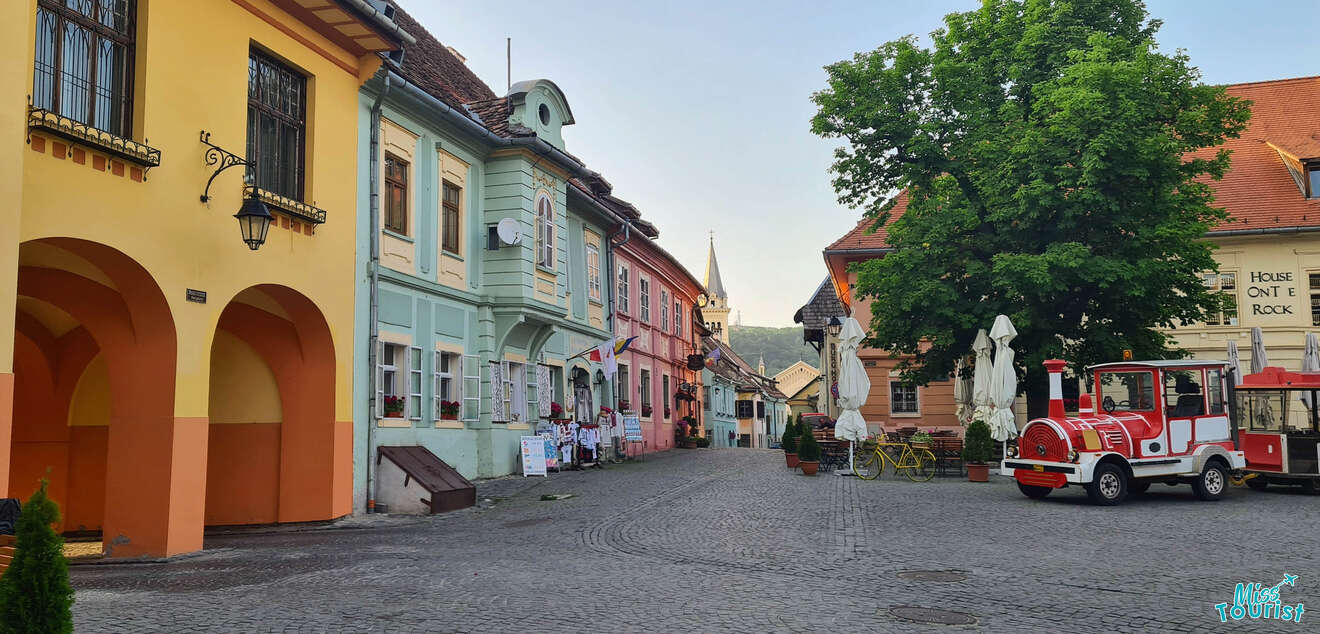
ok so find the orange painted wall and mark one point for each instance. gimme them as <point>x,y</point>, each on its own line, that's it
<point>243,474</point>
<point>86,505</point>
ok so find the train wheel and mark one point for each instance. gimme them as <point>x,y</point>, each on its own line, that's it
<point>1212,482</point>
<point>1258,483</point>
<point>1109,485</point>
<point>1138,486</point>
<point>1311,485</point>
<point>1034,492</point>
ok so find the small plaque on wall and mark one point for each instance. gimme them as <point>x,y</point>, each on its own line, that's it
<point>195,295</point>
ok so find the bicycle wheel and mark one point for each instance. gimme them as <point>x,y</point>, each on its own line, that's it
<point>922,467</point>
<point>868,465</point>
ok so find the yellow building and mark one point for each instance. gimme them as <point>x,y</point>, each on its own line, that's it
<point>163,375</point>
<point>1269,252</point>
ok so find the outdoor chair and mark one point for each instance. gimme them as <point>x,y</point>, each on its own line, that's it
<point>948,455</point>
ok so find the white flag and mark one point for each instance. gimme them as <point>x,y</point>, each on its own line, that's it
<point>606,351</point>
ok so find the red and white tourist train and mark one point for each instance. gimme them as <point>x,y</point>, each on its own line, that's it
<point>1278,428</point>
<point>1159,421</point>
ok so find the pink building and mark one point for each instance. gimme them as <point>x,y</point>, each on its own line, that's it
<point>656,301</point>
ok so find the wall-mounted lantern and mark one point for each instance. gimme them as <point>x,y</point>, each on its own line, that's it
<point>835,326</point>
<point>253,217</point>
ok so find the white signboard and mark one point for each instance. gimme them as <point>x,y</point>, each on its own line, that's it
<point>632,428</point>
<point>533,456</point>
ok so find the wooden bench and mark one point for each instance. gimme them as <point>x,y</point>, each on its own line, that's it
<point>7,545</point>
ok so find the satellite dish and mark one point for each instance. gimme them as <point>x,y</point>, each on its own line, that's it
<point>508,232</point>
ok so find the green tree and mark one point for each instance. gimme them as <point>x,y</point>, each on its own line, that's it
<point>1054,163</point>
<point>789,439</point>
<point>35,595</point>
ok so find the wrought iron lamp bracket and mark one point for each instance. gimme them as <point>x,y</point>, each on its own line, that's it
<point>220,157</point>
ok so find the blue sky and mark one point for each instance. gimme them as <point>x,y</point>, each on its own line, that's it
<point>698,112</point>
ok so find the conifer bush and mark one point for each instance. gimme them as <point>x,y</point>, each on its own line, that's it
<point>808,448</point>
<point>789,439</point>
<point>977,444</point>
<point>35,595</point>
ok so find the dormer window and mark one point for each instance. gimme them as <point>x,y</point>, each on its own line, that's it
<point>1313,180</point>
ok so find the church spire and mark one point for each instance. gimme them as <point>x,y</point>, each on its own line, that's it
<point>714,285</point>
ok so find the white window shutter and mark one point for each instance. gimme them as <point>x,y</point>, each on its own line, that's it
<point>380,381</point>
<point>414,404</point>
<point>544,391</point>
<point>471,388</point>
<point>435,386</point>
<point>497,392</point>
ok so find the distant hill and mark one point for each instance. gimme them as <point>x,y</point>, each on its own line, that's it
<point>782,347</point>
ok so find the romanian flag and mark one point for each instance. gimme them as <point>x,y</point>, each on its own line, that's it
<point>620,344</point>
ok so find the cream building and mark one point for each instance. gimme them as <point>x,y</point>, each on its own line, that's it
<point>1269,252</point>
<point>716,308</point>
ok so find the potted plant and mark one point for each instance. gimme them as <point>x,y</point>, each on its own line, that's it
<point>977,450</point>
<point>394,407</point>
<point>702,442</point>
<point>666,411</point>
<point>688,426</point>
<point>646,410</point>
<point>625,405</point>
<point>556,410</point>
<point>808,453</point>
<point>449,410</point>
<point>789,442</point>
<point>920,440</point>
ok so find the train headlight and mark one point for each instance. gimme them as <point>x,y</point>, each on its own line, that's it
<point>1073,455</point>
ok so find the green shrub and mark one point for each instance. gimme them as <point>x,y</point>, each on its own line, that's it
<point>35,595</point>
<point>808,448</point>
<point>789,439</point>
<point>977,444</point>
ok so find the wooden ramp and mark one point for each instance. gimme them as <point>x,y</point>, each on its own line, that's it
<point>446,489</point>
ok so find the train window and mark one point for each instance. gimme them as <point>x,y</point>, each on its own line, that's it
<point>1214,388</point>
<point>1263,411</point>
<point>1127,392</point>
<point>1182,394</point>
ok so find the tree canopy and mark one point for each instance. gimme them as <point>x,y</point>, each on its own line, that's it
<point>1048,151</point>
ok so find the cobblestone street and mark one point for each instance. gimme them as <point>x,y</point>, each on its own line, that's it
<point>731,540</point>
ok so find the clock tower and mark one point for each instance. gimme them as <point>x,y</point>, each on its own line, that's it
<point>716,309</point>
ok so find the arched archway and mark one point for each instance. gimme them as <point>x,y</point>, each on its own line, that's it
<point>277,453</point>
<point>95,363</point>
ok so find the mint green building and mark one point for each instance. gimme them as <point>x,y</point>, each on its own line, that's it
<point>481,248</point>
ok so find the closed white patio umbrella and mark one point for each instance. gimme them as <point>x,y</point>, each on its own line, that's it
<point>1003,381</point>
<point>1310,361</point>
<point>854,386</point>
<point>962,393</point>
<point>1234,362</point>
<point>1258,358</point>
<point>981,405</point>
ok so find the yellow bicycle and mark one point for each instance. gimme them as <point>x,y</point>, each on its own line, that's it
<point>917,464</point>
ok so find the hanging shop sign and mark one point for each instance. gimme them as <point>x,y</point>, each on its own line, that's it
<point>533,456</point>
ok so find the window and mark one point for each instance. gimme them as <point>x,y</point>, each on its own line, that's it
<point>445,392</point>
<point>664,394</point>
<point>84,62</point>
<point>760,409</point>
<point>644,298</point>
<point>276,126</point>
<point>593,272</point>
<point>678,318</point>
<point>705,398</point>
<point>1182,393</point>
<point>644,387</point>
<point>515,391</point>
<point>1313,180</point>
<point>745,409</point>
<point>1314,283</point>
<point>903,399</point>
<point>391,356</point>
<point>396,194</point>
<point>545,232</point>
<point>622,389</point>
<point>1226,285</point>
<point>449,211</point>
<point>664,314</point>
<point>1214,388</point>
<point>622,300</point>
<point>1127,392</point>
<point>1264,411</point>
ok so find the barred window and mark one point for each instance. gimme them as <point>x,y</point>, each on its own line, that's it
<point>84,58</point>
<point>276,125</point>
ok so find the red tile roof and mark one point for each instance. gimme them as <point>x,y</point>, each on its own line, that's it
<point>431,66</point>
<point>858,238</point>
<point>1258,191</point>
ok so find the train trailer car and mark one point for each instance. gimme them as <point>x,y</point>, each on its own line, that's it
<point>1279,428</point>
<point>1160,421</point>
